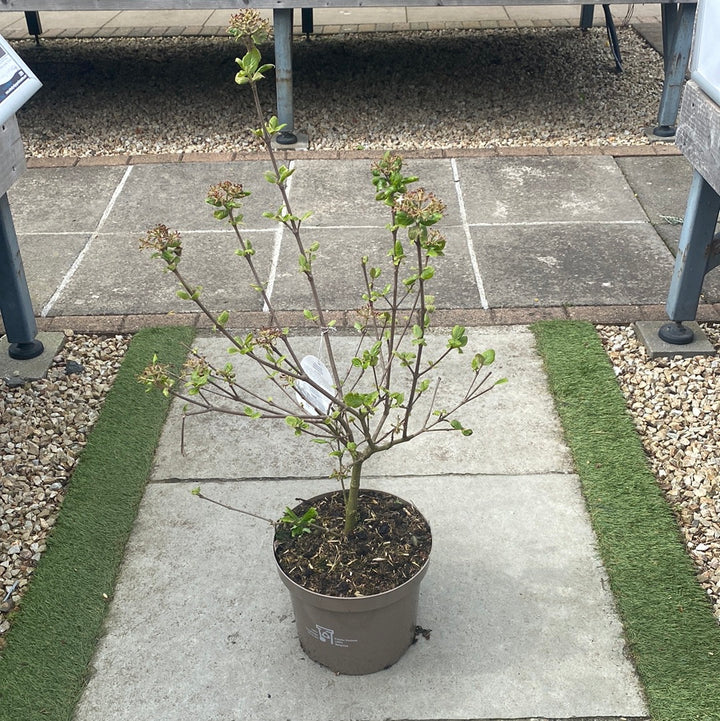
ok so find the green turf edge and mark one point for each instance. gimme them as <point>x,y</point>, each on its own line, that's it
<point>50,644</point>
<point>671,632</point>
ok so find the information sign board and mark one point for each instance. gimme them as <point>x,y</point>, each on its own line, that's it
<point>17,81</point>
<point>705,59</point>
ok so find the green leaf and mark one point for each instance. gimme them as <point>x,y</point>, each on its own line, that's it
<point>458,340</point>
<point>304,263</point>
<point>354,400</point>
<point>296,423</point>
<point>284,173</point>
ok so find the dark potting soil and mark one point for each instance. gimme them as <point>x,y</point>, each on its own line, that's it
<point>388,547</point>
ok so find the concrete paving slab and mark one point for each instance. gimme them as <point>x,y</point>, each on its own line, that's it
<point>457,14</point>
<point>157,18</point>
<point>651,32</point>
<point>515,427</point>
<point>47,258</point>
<point>573,264</point>
<point>532,12</point>
<point>339,275</point>
<point>357,15</point>
<point>550,190</point>
<point>661,185</point>
<point>62,200</point>
<point>174,194</point>
<point>52,20</point>
<point>320,186</point>
<point>647,332</point>
<point>522,622</point>
<point>115,277</point>
<point>15,371</point>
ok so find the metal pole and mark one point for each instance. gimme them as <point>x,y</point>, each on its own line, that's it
<point>677,29</point>
<point>15,303</point>
<point>695,257</point>
<point>283,25</point>
<point>587,13</point>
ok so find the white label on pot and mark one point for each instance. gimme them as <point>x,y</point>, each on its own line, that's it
<point>311,399</point>
<point>327,635</point>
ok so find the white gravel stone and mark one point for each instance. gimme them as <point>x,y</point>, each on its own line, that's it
<point>674,404</point>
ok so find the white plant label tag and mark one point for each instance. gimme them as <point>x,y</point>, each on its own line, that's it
<point>308,397</point>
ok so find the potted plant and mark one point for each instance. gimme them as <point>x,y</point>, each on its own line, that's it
<point>352,558</point>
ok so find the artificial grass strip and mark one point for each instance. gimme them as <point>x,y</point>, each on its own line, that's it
<point>672,635</point>
<point>50,644</point>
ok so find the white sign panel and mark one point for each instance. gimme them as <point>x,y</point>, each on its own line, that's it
<point>17,82</point>
<point>705,61</point>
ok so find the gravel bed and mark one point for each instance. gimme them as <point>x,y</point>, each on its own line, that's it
<point>43,427</point>
<point>675,403</point>
<point>411,90</point>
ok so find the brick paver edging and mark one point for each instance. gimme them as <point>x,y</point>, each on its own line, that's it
<point>598,314</point>
<point>616,151</point>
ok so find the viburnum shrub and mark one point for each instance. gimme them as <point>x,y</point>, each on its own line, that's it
<point>363,407</point>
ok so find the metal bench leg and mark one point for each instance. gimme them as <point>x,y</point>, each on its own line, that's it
<point>587,13</point>
<point>15,304</point>
<point>283,25</point>
<point>677,28</point>
<point>697,254</point>
<point>32,20</point>
<point>306,18</point>
<point>613,38</point>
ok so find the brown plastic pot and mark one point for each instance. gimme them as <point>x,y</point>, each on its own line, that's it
<point>356,635</point>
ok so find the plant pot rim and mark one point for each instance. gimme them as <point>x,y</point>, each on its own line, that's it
<point>355,603</point>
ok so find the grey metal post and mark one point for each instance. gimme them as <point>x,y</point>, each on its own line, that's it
<point>283,25</point>
<point>15,304</point>
<point>696,256</point>
<point>587,13</point>
<point>34,27</point>
<point>677,29</point>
